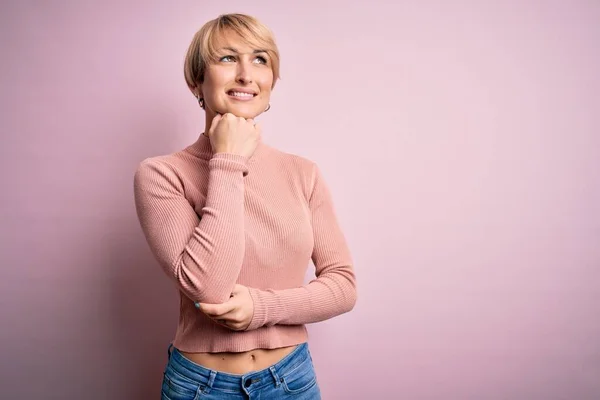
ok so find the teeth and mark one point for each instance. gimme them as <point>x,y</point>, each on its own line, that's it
<point>240,94</point>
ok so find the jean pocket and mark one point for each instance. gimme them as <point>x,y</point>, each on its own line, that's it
<point>300,379</point>
<point>178,387</point>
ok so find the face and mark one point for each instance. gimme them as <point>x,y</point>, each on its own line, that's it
<point>239,82</point>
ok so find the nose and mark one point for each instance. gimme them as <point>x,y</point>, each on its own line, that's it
<point>244,72</point>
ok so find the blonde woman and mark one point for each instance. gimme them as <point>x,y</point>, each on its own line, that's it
<point>234,223</point>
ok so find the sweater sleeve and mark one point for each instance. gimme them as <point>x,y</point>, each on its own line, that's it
<point>201,250</point>
<point>332,292</point>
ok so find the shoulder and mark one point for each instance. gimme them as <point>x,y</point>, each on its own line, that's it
<point>300,164</point>
<point>167,168</point>
<point>300,168</point>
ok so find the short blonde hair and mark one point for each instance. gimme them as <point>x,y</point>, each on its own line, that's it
<point>202,51</point>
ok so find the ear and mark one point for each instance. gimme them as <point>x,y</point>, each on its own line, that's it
<point>197,91</point>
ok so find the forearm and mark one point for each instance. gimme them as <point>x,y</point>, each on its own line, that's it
<point>330,295</point>
<point>211,262</point>
<point>203,255</point>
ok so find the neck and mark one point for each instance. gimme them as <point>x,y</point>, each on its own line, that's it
<point>208,115</point>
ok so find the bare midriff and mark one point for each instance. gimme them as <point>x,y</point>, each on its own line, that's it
<point>239,363</point>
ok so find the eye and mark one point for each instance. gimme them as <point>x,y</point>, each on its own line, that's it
<point>226,58</point>
<point>261,59</point>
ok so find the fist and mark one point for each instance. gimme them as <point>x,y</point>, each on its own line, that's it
<point>234,135</point>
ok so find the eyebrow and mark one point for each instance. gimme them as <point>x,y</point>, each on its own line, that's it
<point>235,51</point>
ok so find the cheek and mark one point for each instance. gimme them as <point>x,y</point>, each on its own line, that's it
<point>265,87</point>
<point>215,80</point>
<point>265,91</point>
<point>265,80</point>
<point>208,87</point>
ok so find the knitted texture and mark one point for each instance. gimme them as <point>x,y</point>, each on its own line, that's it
<point>214,220</point>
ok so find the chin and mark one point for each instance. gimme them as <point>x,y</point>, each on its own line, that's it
<point>242,112</point>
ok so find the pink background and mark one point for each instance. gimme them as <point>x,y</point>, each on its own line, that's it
<point>460,140</point>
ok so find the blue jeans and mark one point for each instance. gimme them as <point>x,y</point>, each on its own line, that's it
<point>293,377</point>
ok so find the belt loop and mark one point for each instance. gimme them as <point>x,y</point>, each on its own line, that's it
<point>211,381</point>
<point>275,376</point>
<point>169,351</point>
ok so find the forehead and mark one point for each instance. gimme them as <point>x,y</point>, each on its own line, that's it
<point>229,40</point>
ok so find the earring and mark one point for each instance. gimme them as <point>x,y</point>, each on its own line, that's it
<point>268,107</point>
<point>200,101</point>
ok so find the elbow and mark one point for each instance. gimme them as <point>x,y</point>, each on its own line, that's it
<point>205,290</point>
<point>200,285</point>
<point>214,296</point>
<point>346,294</point>
<point>350,300</point>
<point>351,293</point>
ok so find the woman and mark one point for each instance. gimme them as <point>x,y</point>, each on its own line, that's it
<point>235,223</point>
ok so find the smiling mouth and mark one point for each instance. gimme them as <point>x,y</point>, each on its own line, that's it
<point>241,95</point>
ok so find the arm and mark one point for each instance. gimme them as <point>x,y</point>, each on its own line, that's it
<point>202,255</point>
<point>332,293</point>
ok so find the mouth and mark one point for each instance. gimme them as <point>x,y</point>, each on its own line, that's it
<point>241,94</point>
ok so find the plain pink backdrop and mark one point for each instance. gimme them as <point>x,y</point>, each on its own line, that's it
<point>460,140</point>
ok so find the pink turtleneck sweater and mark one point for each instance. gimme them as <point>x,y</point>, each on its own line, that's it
<point>214,220</point>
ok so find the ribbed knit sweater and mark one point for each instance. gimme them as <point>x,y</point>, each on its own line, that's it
<point>214,220</point>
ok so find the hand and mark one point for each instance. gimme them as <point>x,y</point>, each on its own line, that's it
<point>235,135</point>
<point>236,313</point>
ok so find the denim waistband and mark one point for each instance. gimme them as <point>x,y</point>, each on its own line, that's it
<point>235,383</point>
